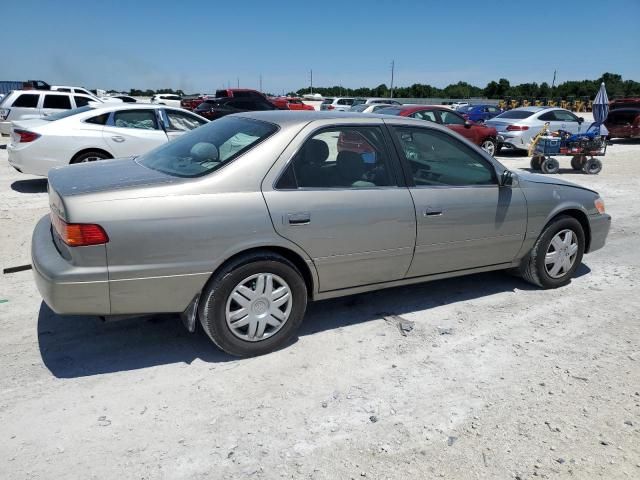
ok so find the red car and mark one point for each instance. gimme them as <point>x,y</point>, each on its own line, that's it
<point>623,123</point>
<point>481,135</point>
<point>290,103</point>
<point>192,101</point>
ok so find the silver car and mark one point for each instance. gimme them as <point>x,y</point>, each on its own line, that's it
<point>516,128</point>
<point>240,222</point>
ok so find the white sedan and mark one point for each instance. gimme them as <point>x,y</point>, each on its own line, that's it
<point>94,133</point>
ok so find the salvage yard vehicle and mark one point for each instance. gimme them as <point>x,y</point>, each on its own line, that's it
<point>374,100</point>
<point>290,103</point>
<point>339,104</point>
<point>30,104</point>
<point>517,128</point>
<point>479,113</point>
<point>241,222</point>
<point>213,108</point>
<point>95,133</point>
<point>166,99</point>
<point>481,135</point>
<point>624,123</point>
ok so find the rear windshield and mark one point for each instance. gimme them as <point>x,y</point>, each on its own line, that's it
<point>66,113</point>
<point>515,114</point>
<point>327,100</point>
<point>359,101</point>
<point>208,148</point>
<point>389,111</point>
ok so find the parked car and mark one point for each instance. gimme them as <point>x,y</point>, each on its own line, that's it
<point>290,103</point>
<point>166,99</point>
<point>214,108</point>
<point>339,104</point>
<point>240,93</point>
<point>631,102</point>
<point>623,123</point>
<point>68,89</point>
<point>192,101</point>
<point>24,104</point>
<point>125,98</point>
<point>368,107</point>
<point>95,133</point>
<point>240,223</point>
<point>371,100</point>
<point>516,128</point>
<point>479,113</point>
<point>484,137</point>
<point>457,105</point>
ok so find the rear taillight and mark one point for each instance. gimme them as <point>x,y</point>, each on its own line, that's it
<point>517,128</point>
<point>25,136</point>
<point>79,234</point>
<point>330,107</point>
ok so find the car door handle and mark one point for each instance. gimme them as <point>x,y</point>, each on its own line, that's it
<point>432,211</point>
<point>117,138</point>
<point>300,218</point>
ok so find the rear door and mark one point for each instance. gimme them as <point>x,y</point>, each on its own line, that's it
<point>348,210</point>
<point>464,219</point>
<point>133,132</point>
<point>54,103</point>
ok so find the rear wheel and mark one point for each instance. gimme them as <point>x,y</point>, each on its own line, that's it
<point>490,146</point>
<point>550,165</point>
<point>593,166</point>
<point>556,254</point>
<point>254,305</point>
<point>90,156</point>
<point>577,162</point>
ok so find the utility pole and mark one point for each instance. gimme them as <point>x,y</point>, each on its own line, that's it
<point>260,83</point>
<point>238,82</point>
<point>311,72</point>
<point>553,84</point>
<point>393,66</point>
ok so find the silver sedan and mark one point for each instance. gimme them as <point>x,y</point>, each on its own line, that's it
<point>516,128</point>
<point>240,222</point>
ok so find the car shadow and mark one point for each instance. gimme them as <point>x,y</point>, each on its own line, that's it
<point>79,346</point>
<point>563,171</point>
<point>36,185</point>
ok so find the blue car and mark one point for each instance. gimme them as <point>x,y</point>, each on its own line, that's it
<point>479,113</point>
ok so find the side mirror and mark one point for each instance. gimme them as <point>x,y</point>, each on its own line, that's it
<point>506,178</point>
<point>467,124</point>
<point>580,119</point>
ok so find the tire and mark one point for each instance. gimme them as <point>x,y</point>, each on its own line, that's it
<point>534,268</point>
<point>577,162</point>
<point>593,166</point>
<point>498,148</point>
<point>90,156</point>
<point>550,165</point>
<point>490,146</point>
<point>536,160</point>
<point>218,303</point>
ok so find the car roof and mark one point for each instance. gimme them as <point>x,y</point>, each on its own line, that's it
<point>126,106</point>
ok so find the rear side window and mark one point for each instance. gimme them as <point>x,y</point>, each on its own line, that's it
<point>82,101</point>
<point>516,114</point>
<point>99,119</point>
<point>142,119</point>
<point>61,102</point>
<point>26,100</point>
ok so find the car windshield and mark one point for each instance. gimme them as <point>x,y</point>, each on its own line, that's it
<point>66,113</point>
<point>516,114</point>
<point>206,149</point>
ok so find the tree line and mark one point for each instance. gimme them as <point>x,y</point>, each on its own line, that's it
<point>616,87</point>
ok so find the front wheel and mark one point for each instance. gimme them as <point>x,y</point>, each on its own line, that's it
<point>556,254</point>
<point>254,305</point>
<point>490,146</point>
<point>550,165</point>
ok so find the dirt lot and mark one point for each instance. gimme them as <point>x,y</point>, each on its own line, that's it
<point>495,380</point>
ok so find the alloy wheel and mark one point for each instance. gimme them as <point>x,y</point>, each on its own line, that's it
<point>489,146</point>
<point>561,253</point>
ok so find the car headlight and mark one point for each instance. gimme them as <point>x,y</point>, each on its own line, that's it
<point>599,204</point>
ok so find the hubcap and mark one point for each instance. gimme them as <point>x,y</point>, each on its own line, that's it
<point>258,307</point>
<point>561,253</point>
<point>489,147</point>
<point>90,159</point>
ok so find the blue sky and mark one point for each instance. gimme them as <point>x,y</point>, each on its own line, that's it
<point>201,46</point>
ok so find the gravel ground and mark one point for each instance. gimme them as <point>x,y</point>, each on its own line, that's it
<point>495,379</point>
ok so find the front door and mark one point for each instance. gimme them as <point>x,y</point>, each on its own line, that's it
<point>464,219</point>
<point>458,124</point>
<point>133,132</point>
<point>345,207</point>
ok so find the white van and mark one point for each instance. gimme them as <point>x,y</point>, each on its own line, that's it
<point>26,104</point>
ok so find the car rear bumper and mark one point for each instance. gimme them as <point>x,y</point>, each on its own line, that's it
<point>600,225</point>
<point>21,159</point>
<point>5,128</point>
<point>66,288</point>
<point>513,141</point>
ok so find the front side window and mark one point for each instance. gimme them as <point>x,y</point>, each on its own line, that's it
<point>141,119</point>
<point>346,157</point>
<point>438,159</point>
<point>27,100</point>
<point>62,102</point>
<point>183,122</point>
<point>450,118</point>
<point>563,116</point>
<point>205,150</point>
